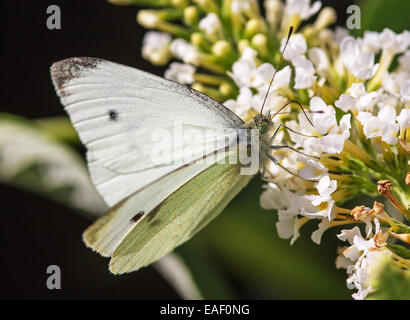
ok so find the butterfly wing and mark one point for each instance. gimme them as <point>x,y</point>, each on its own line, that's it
<point>114,109</point>
<point>178,217</point>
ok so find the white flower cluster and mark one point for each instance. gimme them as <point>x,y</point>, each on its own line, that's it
<point>382,113</point>
<point>353,95</point>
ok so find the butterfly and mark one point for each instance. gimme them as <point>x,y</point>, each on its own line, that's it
<point>155,207</point>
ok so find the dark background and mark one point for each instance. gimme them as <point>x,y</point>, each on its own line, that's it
<point>35,232</point>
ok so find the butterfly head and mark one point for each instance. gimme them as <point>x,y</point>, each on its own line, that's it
<point>263,123</point>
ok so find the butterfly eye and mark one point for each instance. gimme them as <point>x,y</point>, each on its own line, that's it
<point>263,127</point>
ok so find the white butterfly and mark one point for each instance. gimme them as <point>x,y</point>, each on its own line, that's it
<point>155,207</point>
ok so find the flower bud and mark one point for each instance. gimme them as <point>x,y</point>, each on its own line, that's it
<point>242,45</point>
<point>180,3</point>
<point>226,89</point>
<point>273,10</point>
<point>148,19</point>
<point>254,26</point>
<point>191,15</point>
<point>155,47</point>
<point>260,43</point>
<point>198,40</point>
<point>212,26</point>
<point>327,16</point>
<point>221,48</point>
<point>207,5</point>
<point>199,87</point>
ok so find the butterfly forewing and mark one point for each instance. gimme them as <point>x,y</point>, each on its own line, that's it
<point>115,109</point>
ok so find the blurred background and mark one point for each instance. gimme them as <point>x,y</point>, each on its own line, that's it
<point>239,255</point>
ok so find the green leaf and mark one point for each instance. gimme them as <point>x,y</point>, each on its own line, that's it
<point>399,250</point>
<point>31,159</point>
<point>206,270</point>
<point>391,284</point>
<point>379,14</point>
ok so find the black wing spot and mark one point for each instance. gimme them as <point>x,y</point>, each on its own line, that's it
<point>155,222</point>
<point>137,216</point>
<point>113,115</point>
<point>153,212</point>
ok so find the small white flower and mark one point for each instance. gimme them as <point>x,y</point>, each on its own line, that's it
<point>384,125</point>
<point>358,99</point>
<point>348,235</point>
<point>264,75</point>
<point>325,188</point>
<point>341,261</point>
<point>296,47</point>
<point>393,82</point>
<point>313,170</point>
<point>273,101</point>
<point>340,33</point>
<point>395,43</point>
<point>210,24</point>
<point>405,91</point>
<point>273,10</point>
<point>180,72</point>
<point>404,61</point>
<point>359,62</point>
<point>185,52</point>
<point>325,210</point>
<point>289,224</point>
<point>319,59</point>
<point>325,120</point>
<point>305,73</point>
<point>242,104</point>
<point>333,142</point>
<point>272,197</point>
<point>386,40</point>
<point>318,233</point>
<point>371,41</point>
<point>345,125</point>
<point>240,7</point>
<point>403,119</point>
<point>155,47</point>
<point>302,8</point>
<point>309,144</point>
<point>245,69</point>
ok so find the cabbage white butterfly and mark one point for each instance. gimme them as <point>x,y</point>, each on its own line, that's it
<point>154,207</point>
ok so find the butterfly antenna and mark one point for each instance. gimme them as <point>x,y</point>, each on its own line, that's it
<point>277,67</point>
<point>301,108</point>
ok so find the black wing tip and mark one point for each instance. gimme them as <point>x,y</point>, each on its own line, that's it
<point>67,69</point>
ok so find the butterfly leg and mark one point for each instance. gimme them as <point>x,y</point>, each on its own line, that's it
<point>275,161</point>
<point>276,131</point>
<point>299,133</point>
<point>291,148</point>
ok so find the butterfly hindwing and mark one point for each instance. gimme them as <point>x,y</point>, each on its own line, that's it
<point>108,231</point>
<point>178,217</point>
